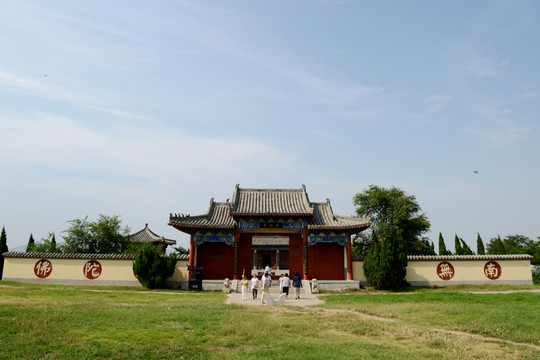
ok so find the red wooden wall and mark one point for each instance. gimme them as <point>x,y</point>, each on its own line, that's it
<point>217,259</point>
<point>326,262</point>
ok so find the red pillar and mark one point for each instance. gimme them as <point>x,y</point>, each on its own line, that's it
<point>349,258</point>
<point>236,238</point>
<point>304,243</point>
<point>191,260</point>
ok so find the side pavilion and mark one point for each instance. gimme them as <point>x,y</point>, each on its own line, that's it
<point>276,227</point>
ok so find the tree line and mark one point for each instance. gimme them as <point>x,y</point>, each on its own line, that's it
<point>105,236</point>
<point>398,229</point>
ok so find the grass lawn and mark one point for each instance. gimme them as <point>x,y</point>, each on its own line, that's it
<point>66,322</point>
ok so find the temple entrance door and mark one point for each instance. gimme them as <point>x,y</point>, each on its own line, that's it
<point>266,260</point>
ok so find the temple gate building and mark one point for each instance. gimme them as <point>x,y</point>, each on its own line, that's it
<point>280,228</point>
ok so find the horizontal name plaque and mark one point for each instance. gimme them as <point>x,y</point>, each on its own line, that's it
<point>270,240</point>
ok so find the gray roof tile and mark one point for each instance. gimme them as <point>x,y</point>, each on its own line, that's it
<point>269,202</point>
<point>147,235</point>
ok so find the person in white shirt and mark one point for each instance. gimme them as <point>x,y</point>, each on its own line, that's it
<point>281,283</point>
<point>254,286</point>
<point>286,284</point>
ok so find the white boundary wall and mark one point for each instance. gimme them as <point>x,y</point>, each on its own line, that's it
<point>118,270</point>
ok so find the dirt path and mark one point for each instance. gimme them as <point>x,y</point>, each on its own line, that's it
<point>444,331</point>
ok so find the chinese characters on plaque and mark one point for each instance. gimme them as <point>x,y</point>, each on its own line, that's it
<point>43,268</point>
<point>446,271</point>
<point>92,269</point>
<point>492,270</point>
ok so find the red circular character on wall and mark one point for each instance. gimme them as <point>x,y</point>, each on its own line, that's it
<point>92,269</point>
<point>445,270</point>
<point>492,270</point>
<point>43,268</point>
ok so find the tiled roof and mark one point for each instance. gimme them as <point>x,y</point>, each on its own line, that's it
<point>147,235</point>
<point>324,218</point>
<point>217,217</point>
<point>37,255</point>
<point>271,202</point>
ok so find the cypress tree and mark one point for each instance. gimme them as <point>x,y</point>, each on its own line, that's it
<point>442,246</point>
<point>31,244</point>
<point>500,246</point>
<point>385,266</point>
<point>371,262</point>
<point>458,250</point>
<point>465,249</point>
<point>54,248</point>
<point>480,250</point>
<point>3,249</point>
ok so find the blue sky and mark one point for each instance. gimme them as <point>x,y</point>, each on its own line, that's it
<point>140,109</point>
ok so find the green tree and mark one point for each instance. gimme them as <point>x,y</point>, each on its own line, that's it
<point>395,210</point>
<point>465,249</point>
<point>457,246</point>
<point>432,248</point>
<point>496,246</point>
<point>181,250</point>
<point>386,262</point>
<point>480,246</point>
<point>442,246</point>
<point>153,268</point>
<point>3,249</point>
<point>371,262</point>
<point>47,245</point>
<point>104,236</point>
<point>515,244</point>
<point>31,244</point>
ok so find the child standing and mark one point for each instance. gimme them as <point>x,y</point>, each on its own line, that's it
<point>254,286</point>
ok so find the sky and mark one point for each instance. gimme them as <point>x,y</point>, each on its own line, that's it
<point>140,109</point>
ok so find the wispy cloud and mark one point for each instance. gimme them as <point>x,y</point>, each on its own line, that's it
<point>136,151</point>
<point>483,67</point>
<point>40,88</point>
<point>500,132</point>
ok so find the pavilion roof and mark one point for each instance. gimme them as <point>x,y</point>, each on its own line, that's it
<point>324,219</point>
<point>268,202</point>
<point>217,217</point>
<point>147,235</point>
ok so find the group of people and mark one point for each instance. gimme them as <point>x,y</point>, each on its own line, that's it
<point>266,282</point>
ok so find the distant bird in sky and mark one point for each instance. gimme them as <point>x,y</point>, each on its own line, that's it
<point>476,172</point>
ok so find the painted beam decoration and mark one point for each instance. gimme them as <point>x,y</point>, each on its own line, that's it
<point>295,225</point>
<point>337,239</point>
<point>227,239</point>
<point>247,225</point>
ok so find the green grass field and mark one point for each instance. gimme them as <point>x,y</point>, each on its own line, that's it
<point>66,322</point>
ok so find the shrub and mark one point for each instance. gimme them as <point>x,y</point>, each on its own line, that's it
<point>536,274</point>
<point>152,268</point>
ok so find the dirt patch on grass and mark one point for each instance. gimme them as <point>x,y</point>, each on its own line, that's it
<point>359,314</point>
<point>443,331</point>
<point>486,338</point>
